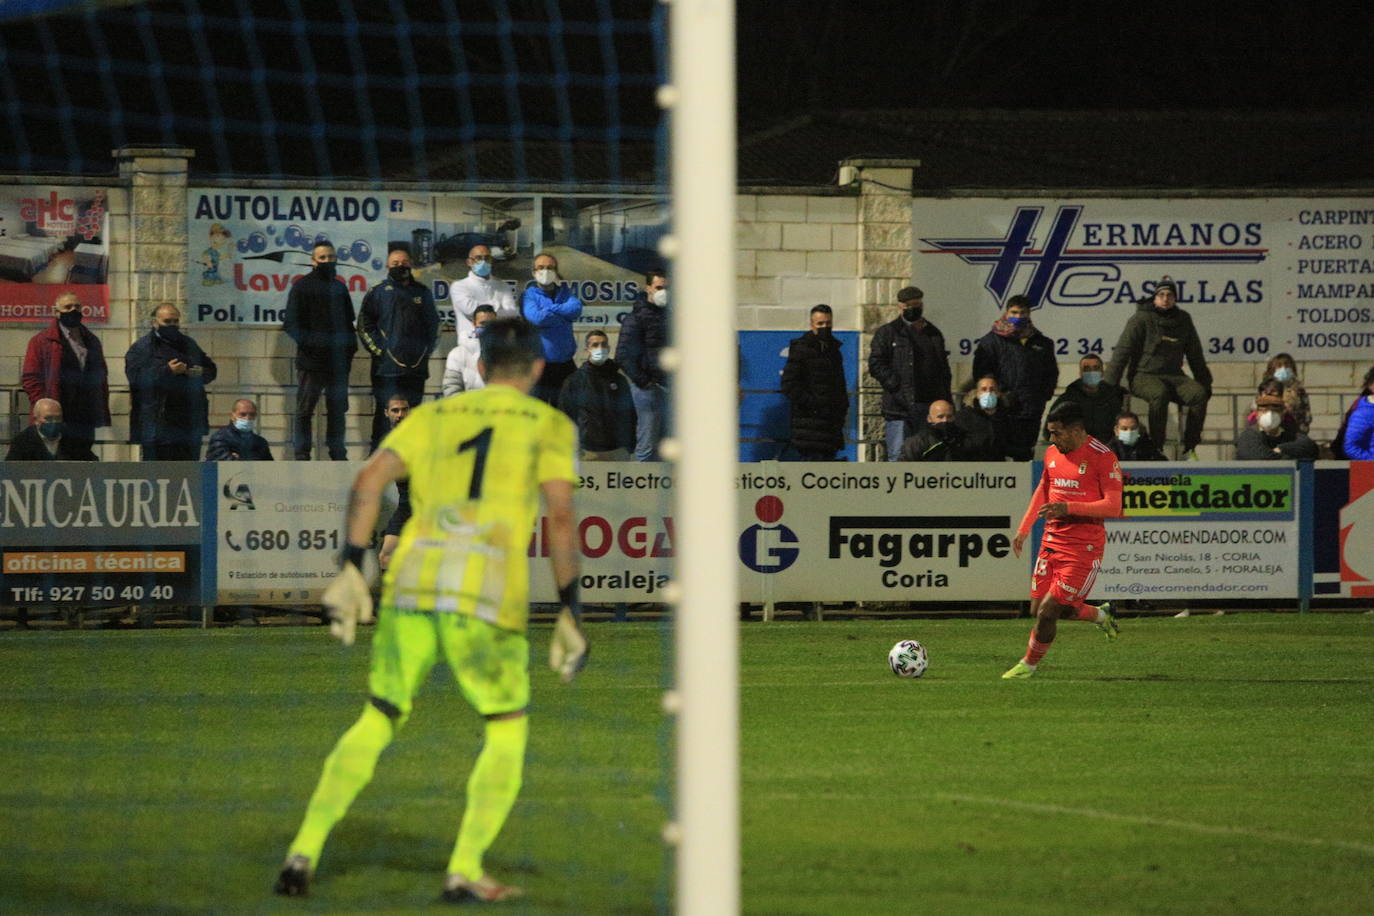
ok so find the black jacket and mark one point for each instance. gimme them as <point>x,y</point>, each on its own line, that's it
<point>598,400</point>
<point>813,382</point>
<point>1100,407</point>
<point>228,441</point>
<point>987,438</point>
<point>643,335</point>
<point>1143,450</point>
<point>165,406</point>
<point>1023,366</point>
<point>931,445</point>
<point>912,366</point>
<point>399,326</point>
<point>28,446</point>
<point>1253,445</point>
<point>319,318</point>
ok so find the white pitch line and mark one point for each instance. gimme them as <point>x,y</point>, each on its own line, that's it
<point>1147,821</point>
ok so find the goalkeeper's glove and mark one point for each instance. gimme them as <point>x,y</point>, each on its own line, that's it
<point>569,649</point>
<point>348,600</point>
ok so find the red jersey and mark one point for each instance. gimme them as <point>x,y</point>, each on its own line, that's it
<point>1090,475</point>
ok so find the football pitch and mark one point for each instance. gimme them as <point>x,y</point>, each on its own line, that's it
<point>1207,765</point>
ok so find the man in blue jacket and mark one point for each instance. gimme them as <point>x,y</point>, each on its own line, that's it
<point>643,335</point>
<point>552,308</point>
<point>169,412</point>
<point>399,326</point>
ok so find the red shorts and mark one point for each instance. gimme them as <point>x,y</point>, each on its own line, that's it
<point>1065,577</point>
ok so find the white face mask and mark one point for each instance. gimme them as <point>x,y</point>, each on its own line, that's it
<point>659,297</point>
<point>544,276</point>
<point>598,356</point>
<point>1283,374</point>
<point>987,400</point>
<point>1128,436</point>
<point>1269,419</point>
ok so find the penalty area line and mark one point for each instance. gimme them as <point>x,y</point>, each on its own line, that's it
<point>1145,820</point>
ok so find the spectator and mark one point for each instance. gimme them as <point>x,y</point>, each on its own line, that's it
<point>1284,369</point>
<point>1129,441</point>
<point>908,358</point>
<point>43,439</point>
<point>1270,438</point>
<point>941,439</point>
<point>1358,443</point>
<point>552,308</point>
<point>1102,402</point>
<point>643,335</point>
<point>987,419</point>
<point>597,397</point>
<point>397,409</point>
<point>460,369</point>
<point>1274,388</point>
<point>1150,354</point>
<point>237,440</point>
<point>399,326</point>
<point>478,289</point>
<point>1022,359</point>
<point>66,363</point>
<point>813,382</point>
<point>1366,390</point>
<point>169,412</point>
<point>319,318</point>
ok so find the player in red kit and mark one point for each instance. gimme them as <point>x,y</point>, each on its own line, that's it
<point>1080,487</point>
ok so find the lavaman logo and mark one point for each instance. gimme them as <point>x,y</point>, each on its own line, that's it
<point>767,548</point>
<point>1090,274</point>
<point>238,495</point>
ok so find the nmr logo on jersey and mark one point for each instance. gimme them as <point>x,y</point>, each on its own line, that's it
<point>1074,262</point>
<point>767,548</point>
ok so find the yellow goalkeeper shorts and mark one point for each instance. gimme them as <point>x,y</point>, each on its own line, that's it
<point>490,664</point>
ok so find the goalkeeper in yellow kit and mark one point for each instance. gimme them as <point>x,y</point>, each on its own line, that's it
<point>457,585</point>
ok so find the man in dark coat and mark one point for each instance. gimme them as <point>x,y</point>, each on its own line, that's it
<point>1271,439</point>
<point>169,412</point>
<point>940,440</point>
<point>813,381</point>
<point>65,362</point>
<point>237,440</point>
<point>1023,361</point>
<point>1102,402</point>
<point>987,419</point>
<point>1150,354</point>
<point>597,397</point>
<point>44,441</point>
<point>399,326</point>
<point>319,318</point>
<point>643,335</point>
<point>908,358</point>
<point>1128,441</point>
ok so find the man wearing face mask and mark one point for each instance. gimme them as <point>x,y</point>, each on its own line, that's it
<point>1270,439</point>
<point>319,318</point>
<point>908,358</point>
<point>1128,441</point>
<point>479,288</point>
<point>1101,400</point>
<point>643,335</point>
<point>1023,360</point>
<point>1150,354</point>
<point>460,369</point>
<point>987,421</point>
<point>399,326</point>
<point>597,398</point>
<point>238,440</point>
<point>940,440</point>
<point>44,441</point>
<point>65,362</point>
<point>813,382</point>
<point>169,412</point>
<point>552,308</point>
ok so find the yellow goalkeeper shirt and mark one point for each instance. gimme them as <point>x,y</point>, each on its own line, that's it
<point>475,463</point>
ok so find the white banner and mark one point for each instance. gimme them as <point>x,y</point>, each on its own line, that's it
<point>1258,276</point>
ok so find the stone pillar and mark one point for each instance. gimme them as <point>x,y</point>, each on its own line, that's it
<point>156,179</point>
<point>884,268</point>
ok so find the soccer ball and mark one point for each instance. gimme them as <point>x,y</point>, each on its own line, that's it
<point>908,659</point>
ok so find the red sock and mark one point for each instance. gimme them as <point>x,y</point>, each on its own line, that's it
<point>1036,650</point>
<point>1087,612</point>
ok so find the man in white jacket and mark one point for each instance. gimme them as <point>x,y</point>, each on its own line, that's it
<point>460,369</point>
<point>479,288</point>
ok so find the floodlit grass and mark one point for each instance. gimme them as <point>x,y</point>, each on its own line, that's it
<point>1208,765</point>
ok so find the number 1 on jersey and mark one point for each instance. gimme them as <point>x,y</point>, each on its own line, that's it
<point>479,443</point>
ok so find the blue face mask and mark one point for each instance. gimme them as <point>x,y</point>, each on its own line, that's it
<point>243,426</point>
<point>987,400</point>
<point>51,429</point>
<point>482,269</point>
<point>1092,379</point>
<point>1018,321</point>
<point>1283,374</point>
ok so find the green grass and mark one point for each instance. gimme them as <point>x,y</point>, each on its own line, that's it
<point>1208,765</point>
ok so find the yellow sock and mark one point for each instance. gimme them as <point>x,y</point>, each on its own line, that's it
<point>492,787</point>
<point>347,769</point>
